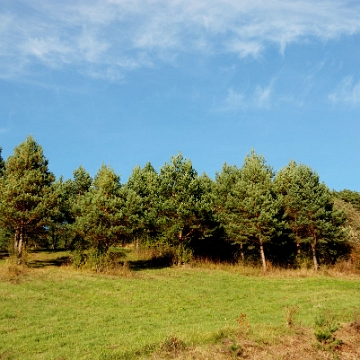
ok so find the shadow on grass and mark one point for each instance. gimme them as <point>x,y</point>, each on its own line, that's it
<point>63,260</point>
<point>4,255</point>
<point>46,250</point>
<point>158,262</point>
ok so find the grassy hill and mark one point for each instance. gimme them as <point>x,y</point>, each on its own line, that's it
<point>202,312</point>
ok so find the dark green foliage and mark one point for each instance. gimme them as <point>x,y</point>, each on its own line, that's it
<point>5,240</point>
<point>59,232</point>
<point>145,183</point>
<point>249,209</point>
<point>183,207</point>
<point>4,235</point>
<point>106,214</point>
<point>2,162</point>
<point>325,327</point>
<point>82,181</point>
<point>223,197</point>
<point>27,199</point>
<point>349,196</point>
<point>246,213</point>
<point>77,190</point>
<point>308,210</point>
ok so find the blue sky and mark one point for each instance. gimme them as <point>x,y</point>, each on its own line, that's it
<point>126,82</point>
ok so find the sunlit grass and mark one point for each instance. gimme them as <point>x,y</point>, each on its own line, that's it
<point>59,313</point>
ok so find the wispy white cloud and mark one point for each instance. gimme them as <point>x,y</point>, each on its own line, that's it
<point>347,92</point>
<point>9,123</point>
<point>101,33</point>
<point>235,101</point>
<point>262,96</point>
<point>245,48</point>
<point>49,50</point>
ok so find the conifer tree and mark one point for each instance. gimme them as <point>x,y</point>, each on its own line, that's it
<point>308,206</point>
<point>59,227</point>
<point>77,188</point>
<point>82,181</point>
<point>109,211</point>
<point>26,197</point>
<point>145,183</point>
<point>182,207</point>
<point>226,211</point>
<point>251,208</point>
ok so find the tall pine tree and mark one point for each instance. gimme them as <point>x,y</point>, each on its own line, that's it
<point>27,198</point>
<point>250,209</point>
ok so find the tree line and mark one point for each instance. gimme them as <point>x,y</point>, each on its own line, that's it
<point>247,213</point>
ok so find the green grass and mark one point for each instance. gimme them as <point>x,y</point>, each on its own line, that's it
<point>59,313</point>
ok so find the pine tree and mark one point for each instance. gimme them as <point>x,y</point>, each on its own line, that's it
<point>82,181</point>
<point>308,206</point>
<point>145,183</point>
<point>77,188</point>
<point>250,211</point>
<point>226,210</point>
<point>59,231</point>
<point>182,207</point>
<point>27,198</point>
<point>108,211</point>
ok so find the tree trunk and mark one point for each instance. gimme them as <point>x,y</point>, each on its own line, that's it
<point>180,247</point>
<point>242,252</point>
<point>19,252</point>
<point>53,239</point>
<point>313,248</point>
<point>263,257</point>
<point>16,242</point>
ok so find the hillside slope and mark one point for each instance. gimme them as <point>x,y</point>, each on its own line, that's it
<point>353,224</point>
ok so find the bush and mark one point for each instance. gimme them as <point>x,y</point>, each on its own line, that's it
<point>325,327</point>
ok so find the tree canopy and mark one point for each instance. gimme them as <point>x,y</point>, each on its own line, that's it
<point>264,216</point>
<point>27,198</point>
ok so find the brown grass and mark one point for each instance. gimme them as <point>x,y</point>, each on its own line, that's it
<point>300,345</point>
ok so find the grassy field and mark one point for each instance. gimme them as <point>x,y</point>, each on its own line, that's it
<point>52,312</point>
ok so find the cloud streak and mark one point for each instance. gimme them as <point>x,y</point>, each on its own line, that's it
<point>347,92</point>
<point>235,101</point>
<point>107,38</point>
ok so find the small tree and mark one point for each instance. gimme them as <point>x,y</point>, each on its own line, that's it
<point>109,211</point>
<point>145,183</point>
<point>283,182</point>
<point>224,202</point>
<point>182,207</point>
<point>26,197</point>
<point>58,230</point>
<point>76,189</point>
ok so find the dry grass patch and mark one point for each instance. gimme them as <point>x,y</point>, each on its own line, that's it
<point>300,345</point>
